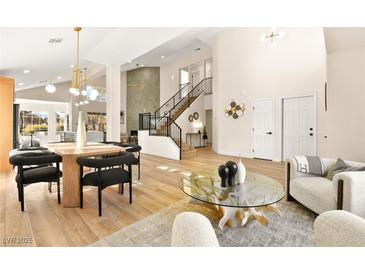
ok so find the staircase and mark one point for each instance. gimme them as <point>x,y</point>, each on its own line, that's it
<point>162,121</point>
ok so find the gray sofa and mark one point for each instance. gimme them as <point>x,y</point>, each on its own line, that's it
<point>346,191</point>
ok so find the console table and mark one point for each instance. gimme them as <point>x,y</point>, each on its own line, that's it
<point>202,142</point>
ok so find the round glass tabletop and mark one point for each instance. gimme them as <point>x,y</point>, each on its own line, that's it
<point>257,190</point>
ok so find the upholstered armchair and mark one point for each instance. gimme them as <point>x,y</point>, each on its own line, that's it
<point>339,228</point>
<point>191,229</point>
<point>346,191</point>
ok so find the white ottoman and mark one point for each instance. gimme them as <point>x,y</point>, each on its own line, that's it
<point>192,229</point>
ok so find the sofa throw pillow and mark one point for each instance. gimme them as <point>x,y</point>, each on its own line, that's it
<point>310,164</point>
<point>339,166</point>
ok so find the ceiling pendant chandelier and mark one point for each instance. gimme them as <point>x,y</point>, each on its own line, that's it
<point>79,83</point>
<point>50,88</point>
<point>272,36</point>
<point>76,72</point>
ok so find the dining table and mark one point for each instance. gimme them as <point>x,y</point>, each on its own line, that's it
<point>70,168</point>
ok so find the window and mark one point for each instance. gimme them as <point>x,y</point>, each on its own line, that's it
<point>96,121</point>
<point>32,122</point>
<point>60,122</point>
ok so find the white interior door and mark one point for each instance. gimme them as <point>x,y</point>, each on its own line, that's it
<point>195,78</point>
<point>263,129</point>
<point>196,73</point>
<point>299,132</point>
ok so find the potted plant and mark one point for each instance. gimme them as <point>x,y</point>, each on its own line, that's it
<point>205,136</point>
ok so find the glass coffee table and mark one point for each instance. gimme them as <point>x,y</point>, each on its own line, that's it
<point>238,203</point>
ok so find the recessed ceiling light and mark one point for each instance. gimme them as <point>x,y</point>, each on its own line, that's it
<point>142,66</point>
<point>26,71</point>
<point>129,61</point>
<point>59,77</point>
<point>71,66</point>
<point>21,84</point>
<point>162,56</point>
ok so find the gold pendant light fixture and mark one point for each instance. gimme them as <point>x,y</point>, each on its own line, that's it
<point>76,71</point>
<point>80,85</point>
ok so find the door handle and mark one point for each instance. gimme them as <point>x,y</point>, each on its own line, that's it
<point>269,132</point>
<point>310,134</point>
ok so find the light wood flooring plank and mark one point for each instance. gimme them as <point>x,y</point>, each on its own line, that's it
<point>49,224</point>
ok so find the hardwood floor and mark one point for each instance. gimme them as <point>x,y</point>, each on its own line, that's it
<point>45,223</point>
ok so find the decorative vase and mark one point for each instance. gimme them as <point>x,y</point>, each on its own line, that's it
<point>241,173</point>
<point>232,166</point>
<point>81,131</point>
<point>223,172</point>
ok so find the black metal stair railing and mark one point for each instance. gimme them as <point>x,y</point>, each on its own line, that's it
<point>171,102</point>
<point>189,98</point>
<point>162,121</point>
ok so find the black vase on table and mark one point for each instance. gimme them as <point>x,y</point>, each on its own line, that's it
<point>223,172</point>
<point>232,167</point>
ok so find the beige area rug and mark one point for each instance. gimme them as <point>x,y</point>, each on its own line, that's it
<point>293,228</point>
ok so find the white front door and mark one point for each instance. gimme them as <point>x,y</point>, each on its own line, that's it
<point>299,132</point>
<point>263,129</point>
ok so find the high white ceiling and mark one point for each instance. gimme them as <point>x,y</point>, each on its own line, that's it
<point>188,42</point>
<point>29,49</point>
<point>338,39</point>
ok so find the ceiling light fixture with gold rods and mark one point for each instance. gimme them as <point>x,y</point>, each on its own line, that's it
<point>79,84</point>
<point>272,36</point>
<point>76,72</point>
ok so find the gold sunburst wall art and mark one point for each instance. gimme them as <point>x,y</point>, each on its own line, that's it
<point>234,109</point>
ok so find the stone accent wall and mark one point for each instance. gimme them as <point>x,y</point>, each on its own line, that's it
<point>143,93</point>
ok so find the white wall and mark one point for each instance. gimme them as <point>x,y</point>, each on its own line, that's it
<point>345,119</point>
<point>158,145</point>
<point>169,85</point>
<point>51,108</point>
<point>38,93</point>
<point>245,69</point>
<point>185,124</point>
<point>169,73</point>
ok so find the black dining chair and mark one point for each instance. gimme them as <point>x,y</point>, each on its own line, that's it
<point>133,148</point>
<point>35,168</point>
<point>109,172</point>
<point>33,150</point>
<point>137,160</point>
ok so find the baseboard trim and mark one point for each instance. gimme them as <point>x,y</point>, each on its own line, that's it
<point>235,153</point>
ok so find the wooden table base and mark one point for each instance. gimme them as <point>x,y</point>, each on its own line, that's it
<point>240,216</point>
<point>71,175</point>
<point>234,216</point>
<point>71,170</point>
